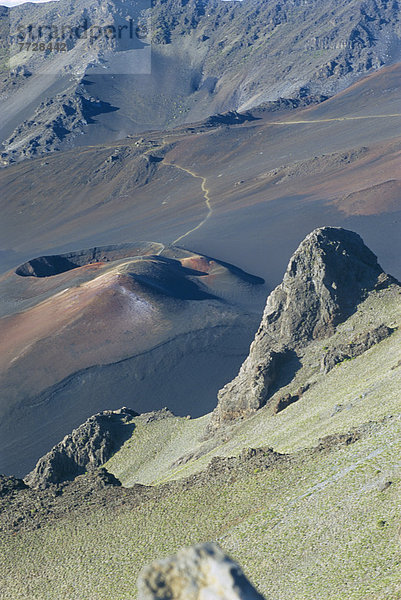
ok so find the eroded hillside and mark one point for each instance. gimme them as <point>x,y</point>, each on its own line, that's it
<point>189,60</point>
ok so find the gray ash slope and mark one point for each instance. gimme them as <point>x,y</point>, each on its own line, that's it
<point>207,57</point>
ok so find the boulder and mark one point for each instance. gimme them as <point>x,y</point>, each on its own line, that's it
<point>201,572</point>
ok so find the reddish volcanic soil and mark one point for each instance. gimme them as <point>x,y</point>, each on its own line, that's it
<point>198,263</point>
<point>377,199</point>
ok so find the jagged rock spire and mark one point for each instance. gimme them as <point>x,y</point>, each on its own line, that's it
<point>327,277</point>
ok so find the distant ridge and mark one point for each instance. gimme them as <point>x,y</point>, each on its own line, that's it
<point>207,58</point>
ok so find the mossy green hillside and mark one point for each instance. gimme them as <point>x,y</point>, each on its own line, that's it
<point>322,525</point>
<point>353,393</point>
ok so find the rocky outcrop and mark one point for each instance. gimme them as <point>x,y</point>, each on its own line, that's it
<point>327,277</point>
<point>87,447</point>
<point>10,485</point>
<point>156,415</point>
<point>215,57</point>
<point>200,572</point>
<point>360,344</point>
<point>231,117</point>
<point>282,402</point>
<point>55,123</point>
<point>250,389</point>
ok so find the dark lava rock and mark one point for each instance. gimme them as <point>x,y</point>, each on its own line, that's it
<point>9,485</point>
<point>31,508</point>
<point>359,345</point>
<point>284,401</point>
<point>87,447</point>
<point>100,478</point>
<point>231,117</point>
<point>56,120</point>
<point>48,266</point>
<point>330,273</point>
<point>156,415</point>
<point>329,442</point>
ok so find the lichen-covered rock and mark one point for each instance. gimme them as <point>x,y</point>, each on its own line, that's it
<point>201,572</point>
<point>87,447</point>
<point>360,344</point>
<point>282,402</point>
<point>242,396</point>
<point>327,277</point>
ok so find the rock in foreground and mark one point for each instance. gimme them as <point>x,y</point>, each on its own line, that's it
<point>201,572</point>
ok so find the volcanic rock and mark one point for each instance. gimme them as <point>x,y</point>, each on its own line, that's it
<point>87,447</point>
<point>195,573</point>
<point>327,277</point>
<point>10,485</point>
<point>223,70</point>
<point>360,344</point>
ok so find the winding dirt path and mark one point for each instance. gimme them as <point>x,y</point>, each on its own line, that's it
<point>205,191</point>
<point>204,187</point>
<point>303,122</point>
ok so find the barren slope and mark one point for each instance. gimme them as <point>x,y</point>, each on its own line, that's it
<point>139,322</point>
<point>268,182</point>
<point>189,61</point>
